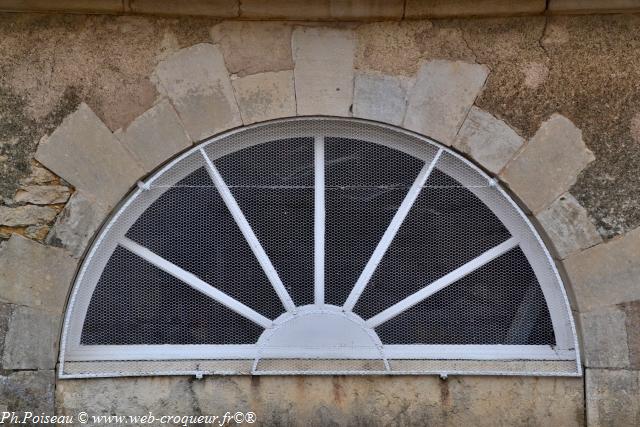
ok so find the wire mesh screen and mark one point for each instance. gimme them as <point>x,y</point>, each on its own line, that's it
<point>318,246</point>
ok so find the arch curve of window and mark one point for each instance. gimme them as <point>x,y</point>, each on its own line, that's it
<point>318,246</point>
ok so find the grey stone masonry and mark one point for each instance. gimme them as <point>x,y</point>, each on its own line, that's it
<point>322,9</point>
<point>28,391</point>
<point>488,140</point>
<point>197,82</point>
<point>606,274</point>
<point>613,397</point>
<point>84,152</point>
<point>77,223</point>
<point>441,9</point>
<point>442,96</point>
<point>381,97</point>
<point>605,338</point>
<point>265,96</point>
<point>155,136</point>
<point>22,216</point>
<point>549,163</point>
<point>32,339</point>
<point>323,68</point>
<point>42,194</point>
<point>35,275</point>
<point>568,226</point>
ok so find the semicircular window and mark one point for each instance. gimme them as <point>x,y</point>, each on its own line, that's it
<point>318,246</point>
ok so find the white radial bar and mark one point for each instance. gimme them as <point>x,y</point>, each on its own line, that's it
<point>195,282</point>
<point>390,233</point>
<point>248,234</point>
<point>442,283</point>
<point>319,220</point>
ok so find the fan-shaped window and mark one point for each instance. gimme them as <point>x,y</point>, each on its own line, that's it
<point>318,246</point>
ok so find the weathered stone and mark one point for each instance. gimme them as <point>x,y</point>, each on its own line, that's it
<point>568,226</point>
<point>254,47</point>
<point>613,397</point>
<point>489,141</point>
<point>442,96</point>
<point>340,400</point>
<point>155,136</point>
<point>77,223</point>
<point>77,6</point>
<point>28,391</point>
<point>381,97</point>
<point>585,6</point>
<point>83,151</point>
<point>35,275</point>
<point>321,9</point>
<point>452,8</point>
<point>632,316</point>
<point>39,175</point>
<point>606,274</point>
<point>635,128</point>
<point>323,70</point>
<point>22,216</point>
<point>42,194</point>
<point>197,82</point>
<point>217,8</point>
<point>605,339</point>
<point>32,339</point>
<point>549,164</point>
<point>265,96</point>
<point>37,232</point>
<point>5,315</point>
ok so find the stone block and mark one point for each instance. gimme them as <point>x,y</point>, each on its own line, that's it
<point>28,391</point>
<point>591,6</point>
<point>32,339</point>
<point>454,8</point>
<point>5,315</point>
<point>77,6</point>
<point>323,70</point>
<point>155,136</point>
<point>42,194</point>
<point>322,9</point>
<point>38,175</point>
<point>549,163</point>
<point>613,397</point>
<point>606,274</point>
<point>605,338</point>
<point>381,97</point>
<point>488,140</point>
<point>217,8</point>
<point>265,96</point>
<point>35,275</point>
<point>254,47</point>
<point>23,216</point>
<point>197,82</point>
<point>77,223</point>
<point>632,316</point>
<point>442,96</point>
<point>568,226</point>
<point>84,152</point>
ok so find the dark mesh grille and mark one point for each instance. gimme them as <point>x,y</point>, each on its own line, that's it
<point>136,303</point>
<point>190,226</point>
<point>365,185</point>
<point>500,303</point>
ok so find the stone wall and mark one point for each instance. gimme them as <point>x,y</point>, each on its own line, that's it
<point>549,106</point>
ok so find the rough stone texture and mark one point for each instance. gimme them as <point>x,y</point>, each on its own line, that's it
<point>322,9</point>
<point>38,175</point>
<point>197,82</point>
<point>606,274</point>
<point>449,8</point>
<point>265,96</point>
<point>323,70</point>
<point>32,339</point>
<point>21,216</point>
<point>36,232</point>
<point>42,194</point>
<point>31,391</point>
<point>613,397</point>
<point>35,275</point>
<point>605,339</point>
<point>549,164</point>
<point>568,226</point>
<point>77,223</point>
<point>442,96</point>
<point>590,6</point>
<point>381,97</point>
<point>85,153</point>
<point>78,6</point>
<point>254,47</point>
<point>340,401</point>
<point>5,315</point>
<point>489,141</point>
<point>632,315</point>
<point>217,8</point>
<point>155,136</point>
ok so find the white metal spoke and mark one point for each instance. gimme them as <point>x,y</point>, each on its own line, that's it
<point>195,282</point>
<point>248,234</point>
<point>442,283</point>
<point>319,220</point>
<point>390,233</point>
